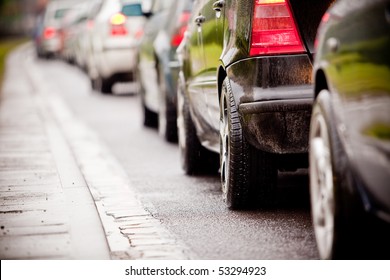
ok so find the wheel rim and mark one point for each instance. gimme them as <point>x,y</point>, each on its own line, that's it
<point>224,144</point>
<point>321,186</point>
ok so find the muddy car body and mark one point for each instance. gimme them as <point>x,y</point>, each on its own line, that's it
<point>245,92</point>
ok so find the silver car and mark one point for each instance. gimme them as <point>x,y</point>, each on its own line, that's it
<point>113,43</point>
<point>48,40</point>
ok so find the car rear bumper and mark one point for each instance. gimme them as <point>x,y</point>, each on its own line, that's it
<point>278,126</point>
<point>52,45</point>
<point>118,60</point>
<point>274,97</point>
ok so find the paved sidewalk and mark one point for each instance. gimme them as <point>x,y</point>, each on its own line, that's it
<point>62,194</point>
<point>44,213</point>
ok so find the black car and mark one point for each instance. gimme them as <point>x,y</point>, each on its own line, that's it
<point>245,92</point>
<point>350,132</point>
<point>158,66</point>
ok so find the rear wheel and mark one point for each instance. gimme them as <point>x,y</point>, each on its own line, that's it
<point>248,175</point>
<point>167,121</point>
<point>104,85</point>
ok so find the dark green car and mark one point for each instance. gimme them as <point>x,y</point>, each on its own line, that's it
<point>350,132</point>
<point>158,66</point>
<point>245,92</point>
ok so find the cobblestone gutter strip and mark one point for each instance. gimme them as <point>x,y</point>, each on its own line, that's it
<point>131,231</point>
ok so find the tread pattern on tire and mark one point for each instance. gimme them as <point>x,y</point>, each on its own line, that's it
<point>252,174</point>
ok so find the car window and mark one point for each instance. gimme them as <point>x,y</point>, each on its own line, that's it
<point>60,13</point>
<point>132,10</point>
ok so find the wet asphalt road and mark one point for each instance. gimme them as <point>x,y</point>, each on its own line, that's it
<point>191,208</point>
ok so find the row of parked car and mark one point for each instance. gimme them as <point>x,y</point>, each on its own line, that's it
<point>249,89</point>
<point>101,36</point>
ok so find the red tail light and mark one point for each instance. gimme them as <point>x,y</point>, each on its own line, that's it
<point>49,32</point>
<point>274,30</point>
<point>182,27</point>
<point>139,33</point>
<point>90,24</point>
<point>118,27</point>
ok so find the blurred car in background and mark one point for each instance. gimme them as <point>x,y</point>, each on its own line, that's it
<point>85,25</point>
<point>158,65</point>
<point>69,29</point>
<point>350,132</point>
<point>245,92</point>
<point>47,38</point>
<point>114,34</point>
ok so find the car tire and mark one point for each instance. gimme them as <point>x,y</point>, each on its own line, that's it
<point>248,175</point>
<point>167,125</point>
<point>150,117</point>
<point>104,85</point>
<point>40,54</point>
<point>167,121</point>
<point>337,215</point>
<point>195,159</point>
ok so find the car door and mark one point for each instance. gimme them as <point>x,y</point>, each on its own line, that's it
<point>196,66</point>
<point>360,73</point>
<point>147,59</point>
<point>205,49</point>
<point>212,39</point>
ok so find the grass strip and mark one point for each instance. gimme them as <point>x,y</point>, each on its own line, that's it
<point>6,46</point>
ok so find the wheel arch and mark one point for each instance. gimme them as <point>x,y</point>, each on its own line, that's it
<point>320,82</point>
<point>221,75</point>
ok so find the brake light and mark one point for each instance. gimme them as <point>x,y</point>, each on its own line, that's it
<point>139,33</point>
<point>49,33</point>
<point>118,27</point>
<point>179,35</point>
<point>118,19</point>
<point>274,30</point>
<point>90,24</point>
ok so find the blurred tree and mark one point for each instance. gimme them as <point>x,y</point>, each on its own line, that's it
<point>10,16</point>
<point>18,16</point>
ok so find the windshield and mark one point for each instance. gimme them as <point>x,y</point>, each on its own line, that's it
<point>60,13</point>
<point>132,10</point>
